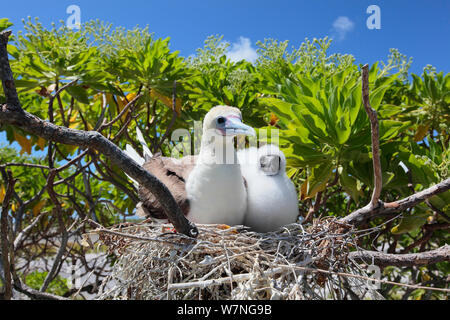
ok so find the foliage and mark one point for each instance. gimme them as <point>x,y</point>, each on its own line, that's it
<point>58,286</point>
<point>311,96</point>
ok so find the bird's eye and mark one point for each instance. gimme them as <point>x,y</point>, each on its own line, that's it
<point>262,162</point>
<point>220,120</point>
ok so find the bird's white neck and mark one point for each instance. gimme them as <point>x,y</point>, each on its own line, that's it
<point>217,149</point>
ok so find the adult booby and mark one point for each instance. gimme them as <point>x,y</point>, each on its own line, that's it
<point>209,187</point>
<point>272,200</point>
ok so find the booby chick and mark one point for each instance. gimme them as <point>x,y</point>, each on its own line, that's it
<point>209,187</point>
<point>272,200</point>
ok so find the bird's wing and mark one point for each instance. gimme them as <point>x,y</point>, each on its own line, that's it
<point>173,173</point>
<point>147,153</point>
<point>129,150</point>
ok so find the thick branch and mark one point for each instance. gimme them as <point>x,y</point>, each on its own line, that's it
<point>403,260</point>
<point>362,215</point>
<point>6,74</point>
<point>12,113</point>
<point>375,137</point>
<point>4,233</point>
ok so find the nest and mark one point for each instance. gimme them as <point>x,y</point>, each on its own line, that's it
<point>296,262</point>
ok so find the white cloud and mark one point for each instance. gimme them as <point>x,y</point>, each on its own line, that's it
<point>343,25</point>
<point>242,50</point>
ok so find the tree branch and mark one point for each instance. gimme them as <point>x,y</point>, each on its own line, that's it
<point>375,138</point>
<point>402,260</point>
<point>4,233</point>
<point>129,104</point>
<point>12,113</point>
<point>362,215</point>
<point>35,294</point>
<point>64,237</point>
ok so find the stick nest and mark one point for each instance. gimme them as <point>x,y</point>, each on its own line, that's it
<point>295,262</point>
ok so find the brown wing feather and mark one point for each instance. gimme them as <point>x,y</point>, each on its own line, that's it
<point>173,173</point>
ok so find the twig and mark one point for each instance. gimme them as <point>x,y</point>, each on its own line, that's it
<point>65,236</point>
<point>314,208</point>
<point>129,104</point>
<point>375,138</point>
<point>403,260</point>
<point>439,212</point>
<point>62,89</point>
<point>102,113</point>
<point>101,229</point>
<point>364,214</point>
<point>28,165</point>
<point>51,118</point>
<point>22,233</point>
<point>35,294</point>
<point>344,274</point>
<point>279,269</point>
<point>220,281</point>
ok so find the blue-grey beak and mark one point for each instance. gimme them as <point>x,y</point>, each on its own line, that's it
<point>234,126</point>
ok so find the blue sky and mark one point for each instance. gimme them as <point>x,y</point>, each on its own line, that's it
<point>418,28</point>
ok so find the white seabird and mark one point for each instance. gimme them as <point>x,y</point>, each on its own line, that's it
<point>272,200</point>
<point>209,187</point>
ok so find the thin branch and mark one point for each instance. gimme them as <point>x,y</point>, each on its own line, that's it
<point>129,104</point>
<point>437,211</point>
<point>73,161</point>
<point>102,113</point>
<point>63,88</point>
<point>247,276</point>
<point>313,209</point>
<point>64,237</point>
<point>220,281</point>
<point>403,260</point>
<point>58,97</point>
<point>101,229</point>
<point>35,294</point>
<point>375,138</point>
<point>362,215</point>
<point>28,165</point>
<point>22,233</point>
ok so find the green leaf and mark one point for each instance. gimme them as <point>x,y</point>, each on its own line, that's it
<point>318,178</point>
<point>410,223</point>
<point>351,186</point>
<point>79,94</point>
<point>26,83</point>
<point>391,128</point>
<point>5,24</point>
<point>376,96</point>
<point>281,108</point>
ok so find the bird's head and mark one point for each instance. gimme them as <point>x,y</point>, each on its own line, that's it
<point>271,160</point>
<point>226,121</point>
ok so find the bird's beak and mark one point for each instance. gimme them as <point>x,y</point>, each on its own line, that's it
<point>234,126</point>
<point>270,164</point>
